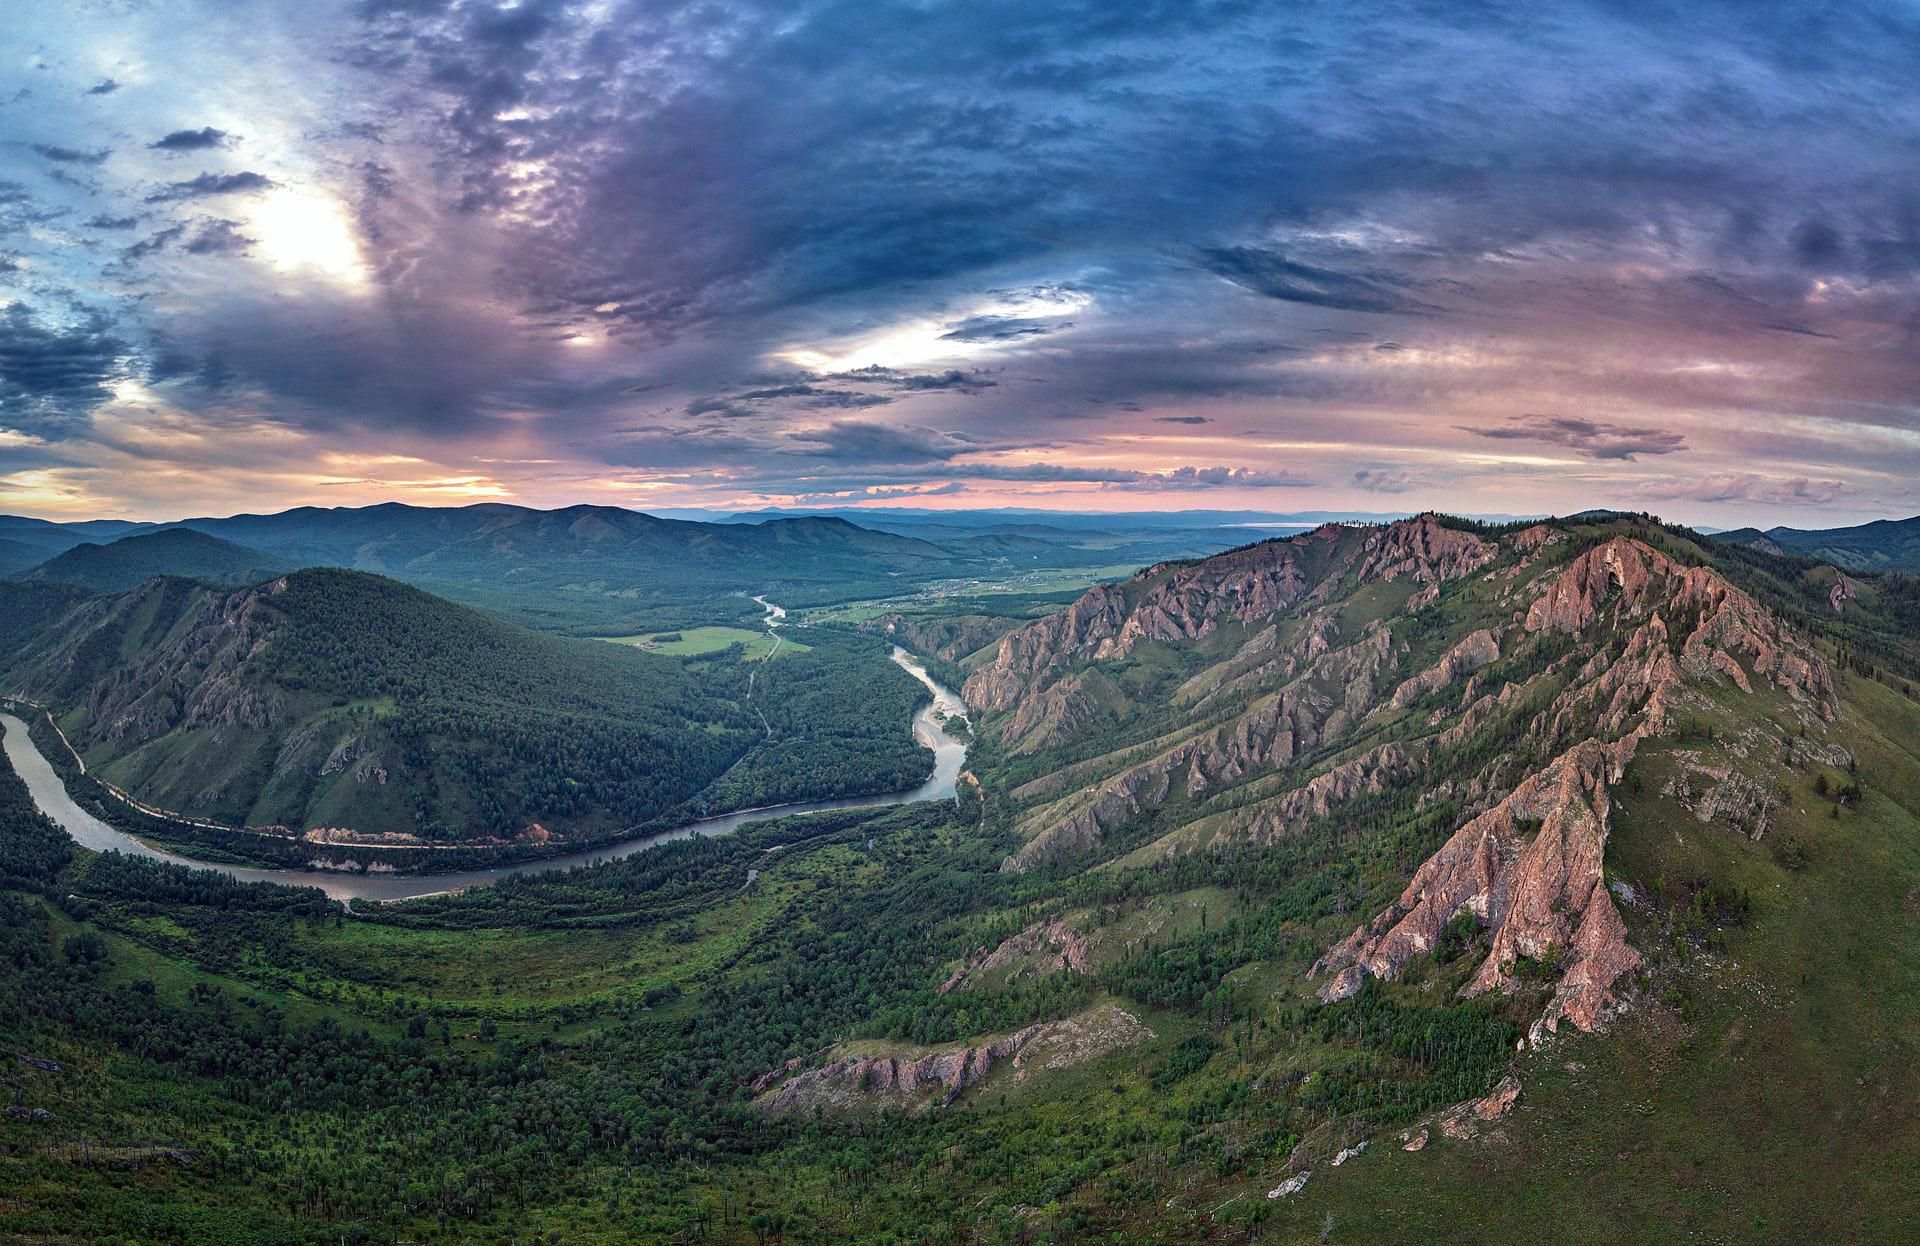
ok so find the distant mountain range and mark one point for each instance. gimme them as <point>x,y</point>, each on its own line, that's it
<point>1883,545</point>
<point>120,565</point>
<point>588,569</point>
<point>608,570</point>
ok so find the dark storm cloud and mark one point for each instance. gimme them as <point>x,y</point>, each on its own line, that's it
<point>210,184</point>
<point>69,155</point>
<point>1274,275</point>
<point>54,374</point>
<point>193,140</point>
<point>1365,228</point>
<point>790,396</point>
<point>861,441</point>
<point>1593,439</point>
<point>954,379</point>
<point>1002,328</point>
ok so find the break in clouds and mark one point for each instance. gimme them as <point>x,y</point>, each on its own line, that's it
<point>1107,256</point>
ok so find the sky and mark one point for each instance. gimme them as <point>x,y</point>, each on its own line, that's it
<point>1163,254</point>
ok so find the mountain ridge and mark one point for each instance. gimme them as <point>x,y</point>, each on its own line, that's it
<point>1619,638</point>
<point>126,561</point>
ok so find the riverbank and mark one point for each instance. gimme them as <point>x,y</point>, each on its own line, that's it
<point>51,795</point>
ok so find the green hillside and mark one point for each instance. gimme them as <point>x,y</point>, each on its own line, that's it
<point>118,566</point>
<point>1581,858</point>
<point>1883,545</point>
<point>339,699</point>
<point>595,569</point>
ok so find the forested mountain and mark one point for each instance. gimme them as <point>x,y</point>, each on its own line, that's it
<point>1883,545</point>
<point>51,537</point>
<point>120,565</point>
<point>591,568</point>
<point>18,555</point>
<point>337,713</point>
<point>601,570</point>
<point>1312,891</point>
<point>336,699</point>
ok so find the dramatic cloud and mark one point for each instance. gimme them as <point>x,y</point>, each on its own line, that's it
<point>1744,487</point>
<point>1272,274</point>
<point>1591,438</point>
<point>67,155</point>
<point>1490,257</point>
<point>193,140</point>
<point>209,184</point>
<point>52,375</point>
<point>859,441</point>
<point>1001,329</point>
<point>218,238</point>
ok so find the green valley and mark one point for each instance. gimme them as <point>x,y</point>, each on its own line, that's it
<point>1307,892</point>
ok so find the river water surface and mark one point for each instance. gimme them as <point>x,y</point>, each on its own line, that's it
<point>89,831</point>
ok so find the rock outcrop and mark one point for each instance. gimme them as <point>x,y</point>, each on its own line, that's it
<point>1276,730</point>
<point>192,678</point>
<point>1368,774</point>
<point>1722,792</point>
<point>1039,672</point>
<point>1425,549</point>
<point>1529,867</point>
<point>1478,650</point>
<point>1538,892</point>
<point>939,1076</point>
<point>1626,579</point>
<point>1045,947</point>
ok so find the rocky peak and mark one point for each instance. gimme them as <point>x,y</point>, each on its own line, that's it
<point>1717,627</point>
<point>1185,602</point>
<point>1425,549</point>
<point>1538,892</point>
<point>1529,867</point>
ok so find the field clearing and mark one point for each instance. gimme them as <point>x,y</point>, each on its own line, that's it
<point>695,641</point>
<point>975,594</point>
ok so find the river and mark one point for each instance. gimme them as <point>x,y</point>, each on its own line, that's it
<point>949,754</point>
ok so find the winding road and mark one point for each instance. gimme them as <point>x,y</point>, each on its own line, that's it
<point>949,754</point>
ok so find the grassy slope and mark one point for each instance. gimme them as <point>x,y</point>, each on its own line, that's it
<point>1772,1093</point>
<point>699,641</point>
<point>1760,1094</point>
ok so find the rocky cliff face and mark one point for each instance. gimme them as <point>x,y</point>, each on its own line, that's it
<point>192,677</point>
<point>1038,671</point>
<point>1610,645</point>
<point>1478,650</point>
<point>1529,868</point>
<point>1625,579</point>
<point>1045,947</point>
<point>1425,549</point>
